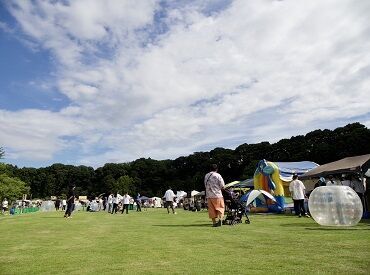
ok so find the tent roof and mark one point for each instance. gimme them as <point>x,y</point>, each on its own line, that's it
<point>346,165</point>
<point>202,193</point>
<point>287,169</point>
<point>240,184</point>
<point>232,183</point>
<point>144,198</point>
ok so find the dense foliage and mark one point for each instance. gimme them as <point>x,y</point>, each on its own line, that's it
<point>152,177</point>
<point>10,187</point>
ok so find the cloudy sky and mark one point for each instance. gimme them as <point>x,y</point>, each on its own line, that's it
<point>89,82</point>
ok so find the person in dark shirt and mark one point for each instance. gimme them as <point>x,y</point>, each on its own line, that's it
<point>57,204</point>
<point>70,201</point>
<point>138,203</point>
<point>320,182</point>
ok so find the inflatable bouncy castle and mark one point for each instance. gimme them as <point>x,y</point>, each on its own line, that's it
<point>274,178</point>
<point>266,177</point>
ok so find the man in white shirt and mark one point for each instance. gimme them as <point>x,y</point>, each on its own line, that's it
<point>116,200</point>
<point>358,187</point>
<point>110,203</point>
<point>126,202</point>
<point>169,196</point>
<point>297,189</point>
<point>5,206</point>
<point>64,204</point>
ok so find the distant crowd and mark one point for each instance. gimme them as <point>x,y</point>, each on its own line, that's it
<point>112,203</point>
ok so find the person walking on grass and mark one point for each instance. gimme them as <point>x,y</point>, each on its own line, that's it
<point>169,197</point>
<point>110,203</point>
<point>70,201</point>
<point>115,204</point>
<point>57,204</point>
<point>214,184</point>
<point>126,202</point>
<point>297,189</point>
<point>138,203</point>
<point>64,204</point>
<point>4,206</point>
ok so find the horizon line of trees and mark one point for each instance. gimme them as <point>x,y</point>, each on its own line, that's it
<point>152,177</point>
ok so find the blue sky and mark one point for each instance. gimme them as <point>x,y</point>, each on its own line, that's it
<point>89,82</point>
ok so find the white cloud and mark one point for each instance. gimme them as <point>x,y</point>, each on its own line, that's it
<point>35,134</point>
<point>140,91</point>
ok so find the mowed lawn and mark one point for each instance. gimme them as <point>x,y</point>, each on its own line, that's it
<point>154,242</point>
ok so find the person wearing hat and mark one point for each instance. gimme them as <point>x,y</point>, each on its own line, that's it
<point>70,201</point>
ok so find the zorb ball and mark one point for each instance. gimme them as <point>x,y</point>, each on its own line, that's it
<point>94,206</point>
<point>47,206</point>
<point>77,207</point>
<point>335,206</point>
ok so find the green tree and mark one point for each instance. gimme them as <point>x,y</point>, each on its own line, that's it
<point>124,184</point>
<point>12,188</point>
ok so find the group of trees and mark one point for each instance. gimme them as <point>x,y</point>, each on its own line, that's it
<point>152,177</point>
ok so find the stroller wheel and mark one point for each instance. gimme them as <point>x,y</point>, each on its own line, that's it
<point>247,221</point>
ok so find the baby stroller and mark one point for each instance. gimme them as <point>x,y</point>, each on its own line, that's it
<point>234,209</point>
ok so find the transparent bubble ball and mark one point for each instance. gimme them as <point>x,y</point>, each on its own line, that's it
<point>94,206</point>
<point>78,207</point>
<point>47,206</point>
<point>335,206</point>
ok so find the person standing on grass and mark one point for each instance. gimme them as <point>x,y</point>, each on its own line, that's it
<point>64,204</point>
<point>297,189</point>
<point>4,206</point>
<point>169,196</point>
<point>57,204</point>
<point>214,183</point>
<point>115,204</point>
<point>70,201</point>
<point>110,203</point>
<point>138,203</point>
<point>359,187</point>
<point>126,202</point>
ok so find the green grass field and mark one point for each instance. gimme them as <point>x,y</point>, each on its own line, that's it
<point>154,242</point>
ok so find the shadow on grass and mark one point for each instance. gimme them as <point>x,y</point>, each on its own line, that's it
<point>184,225</point>
<point>308,226</point>
<point>338,229</point>
<point>59,217</point>
<point>299,225</point>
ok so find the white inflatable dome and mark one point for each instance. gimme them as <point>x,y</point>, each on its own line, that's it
<point>47,206</point>
<point>335,206</point>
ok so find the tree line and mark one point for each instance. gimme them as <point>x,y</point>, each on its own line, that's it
<point>152,177</point>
